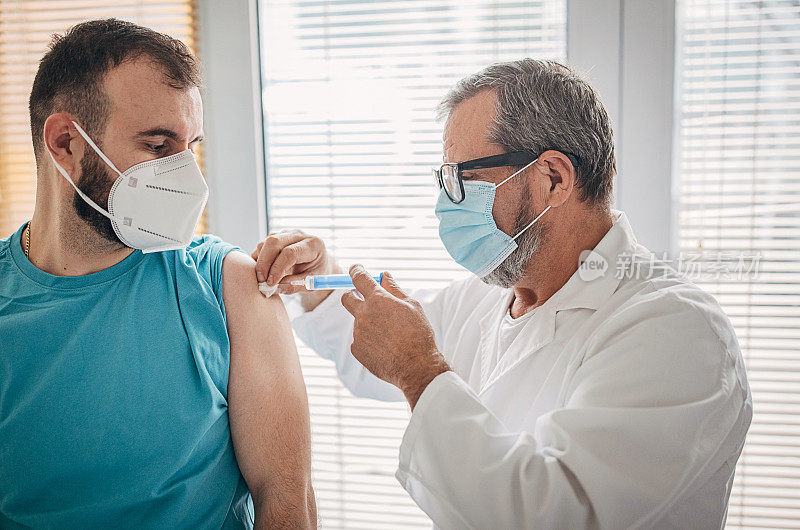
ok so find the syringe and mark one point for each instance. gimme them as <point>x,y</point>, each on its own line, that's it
<point>319,282</point>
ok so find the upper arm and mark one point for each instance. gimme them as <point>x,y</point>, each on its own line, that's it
<point>267,403</point>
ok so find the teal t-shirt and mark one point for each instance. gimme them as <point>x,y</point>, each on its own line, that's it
<point>113,394</point>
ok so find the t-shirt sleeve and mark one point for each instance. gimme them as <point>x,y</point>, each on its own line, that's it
<point>208,252</point>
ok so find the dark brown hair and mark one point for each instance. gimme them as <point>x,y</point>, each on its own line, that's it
<point>71,73</point>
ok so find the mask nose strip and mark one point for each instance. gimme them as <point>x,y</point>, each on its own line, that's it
<point>173,169</point>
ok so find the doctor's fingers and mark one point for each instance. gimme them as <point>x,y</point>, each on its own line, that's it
<point>352,301</point>
<point>304,253</point>
<point>365,283</point>
<point>390,284</point>
<point>269,249</point>
<point>257,251</point>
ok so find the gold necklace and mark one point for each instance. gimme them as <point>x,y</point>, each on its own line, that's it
<point>28,239</point>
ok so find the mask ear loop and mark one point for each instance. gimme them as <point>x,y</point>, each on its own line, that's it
<point>517,173</point>
<point>97,149</point>
<point>531,223</point>
<point>538,216</point>
<point>64,173</point>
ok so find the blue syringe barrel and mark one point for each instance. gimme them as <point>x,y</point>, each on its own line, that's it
<point>333,281</point>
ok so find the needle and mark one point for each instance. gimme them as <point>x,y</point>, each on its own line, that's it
<point>268,290</point>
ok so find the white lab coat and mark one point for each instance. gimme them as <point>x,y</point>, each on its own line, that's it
<point>622,403</point>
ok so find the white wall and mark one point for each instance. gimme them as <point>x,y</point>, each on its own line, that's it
<point>627,48</point>
<point>234,164</point>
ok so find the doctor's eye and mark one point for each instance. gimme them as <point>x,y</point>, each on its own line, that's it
<point>156,148</point>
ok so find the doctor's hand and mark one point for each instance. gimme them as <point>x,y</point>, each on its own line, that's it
<point>292,255</point>
<point>392,337</point>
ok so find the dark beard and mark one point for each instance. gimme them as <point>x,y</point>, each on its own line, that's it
<point>96,183</point>
<point>512,269</point>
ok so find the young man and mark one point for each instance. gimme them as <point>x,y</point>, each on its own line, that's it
<point>154,389</point>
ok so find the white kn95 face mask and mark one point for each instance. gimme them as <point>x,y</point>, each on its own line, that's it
<point>153,206</point>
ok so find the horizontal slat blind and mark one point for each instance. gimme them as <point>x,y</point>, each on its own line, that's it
<point>350,90</point>
<point>26,27</point>
<point>738,184</point>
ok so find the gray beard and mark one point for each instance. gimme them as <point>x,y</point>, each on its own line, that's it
<point>512,269</point>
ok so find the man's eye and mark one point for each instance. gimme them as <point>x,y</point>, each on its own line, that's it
<point>156,148</point>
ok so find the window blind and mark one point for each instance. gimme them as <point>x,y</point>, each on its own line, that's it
<point>738,192</point>
<point>349,94</point>
<point>26,27</point>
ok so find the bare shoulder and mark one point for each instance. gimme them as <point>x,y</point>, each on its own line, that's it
<point>239,272</point>
<point>243,300</point>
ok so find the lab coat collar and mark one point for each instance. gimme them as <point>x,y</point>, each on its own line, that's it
<point>538,332</point>
<point>578,292</point>
<point>616,248</point>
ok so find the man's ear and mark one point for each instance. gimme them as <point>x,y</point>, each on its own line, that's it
<point>61,140</point>
<point>556,166</point>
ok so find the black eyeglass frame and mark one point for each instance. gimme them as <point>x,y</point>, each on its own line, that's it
<point>514,158</point>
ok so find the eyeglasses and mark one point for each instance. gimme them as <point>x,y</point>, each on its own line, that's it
<point>448,175</point>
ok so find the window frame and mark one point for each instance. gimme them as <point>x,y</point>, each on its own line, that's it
<point>234,145</point>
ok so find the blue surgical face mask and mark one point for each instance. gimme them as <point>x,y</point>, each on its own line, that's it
<point>469,232</point>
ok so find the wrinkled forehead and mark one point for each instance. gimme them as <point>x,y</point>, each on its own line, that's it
<point>466,132</point>
<point>141,99</point>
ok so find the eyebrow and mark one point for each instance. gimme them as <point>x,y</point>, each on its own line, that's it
<point>168,133</point>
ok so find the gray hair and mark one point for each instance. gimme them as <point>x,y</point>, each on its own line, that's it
<point>544,105</point>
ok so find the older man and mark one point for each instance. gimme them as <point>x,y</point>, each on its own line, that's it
<point>144,380</point>
<point>574,381</point>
